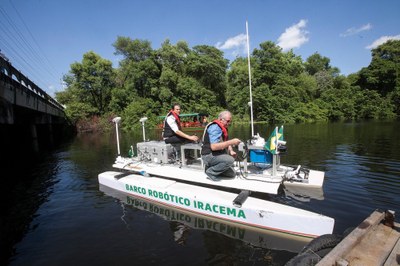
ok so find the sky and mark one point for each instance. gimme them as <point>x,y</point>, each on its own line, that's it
<point>42,38</point>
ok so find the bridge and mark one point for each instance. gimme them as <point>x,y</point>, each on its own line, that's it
<point>24,106</point>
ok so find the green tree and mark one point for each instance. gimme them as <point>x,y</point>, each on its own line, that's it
<point>325,82</point>
<point>280,84</point>
<point>382,74</point>
<point>310,112</point>
<point>174,57</point>
<point>139,70</point>
<point>120,99</point>
<point>338,103</point>
<point>307,87</point>
<point>285,89</point>
<point>137,109</point>
<point>371,105</point>
<point>90,83</point>
<point>194,97</point>
<point>132,50</point>
<point>173,60</point>
<point>268,64</point>
<point>207,65</point>
<point>394,97</point>
<point>317,63</point>
<point>238,92</point>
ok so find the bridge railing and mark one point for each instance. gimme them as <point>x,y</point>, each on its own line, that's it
<point>17,89</point>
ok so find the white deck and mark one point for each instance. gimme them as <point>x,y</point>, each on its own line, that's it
<point>255,179</point>
<point>257,183</point>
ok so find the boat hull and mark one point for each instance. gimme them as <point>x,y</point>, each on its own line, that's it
<point>183,219</point>
<point>219,204</point>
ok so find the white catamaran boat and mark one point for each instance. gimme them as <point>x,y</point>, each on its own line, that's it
<point>154,172</point>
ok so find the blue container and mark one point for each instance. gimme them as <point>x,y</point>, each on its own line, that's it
<point>260,156</point>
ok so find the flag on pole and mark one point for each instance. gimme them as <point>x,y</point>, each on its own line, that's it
<point>280,133</point>
<point>272,144</point>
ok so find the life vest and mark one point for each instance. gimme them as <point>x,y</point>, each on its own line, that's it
<point>206,148</point>
<point>167,131</point>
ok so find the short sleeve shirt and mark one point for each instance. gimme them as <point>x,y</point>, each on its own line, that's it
<point>214,133</point>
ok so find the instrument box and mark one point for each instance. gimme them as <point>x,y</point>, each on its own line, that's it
<point>155,151</point>
<point>260,156</point>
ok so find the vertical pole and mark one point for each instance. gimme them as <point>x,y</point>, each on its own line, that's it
<point>116,130</point>
<point>116,121</point>
<point>276,140</point>
<point>144,136</point>
<point>142,120</point>
<point>251,96</point>
<point>275,157</point>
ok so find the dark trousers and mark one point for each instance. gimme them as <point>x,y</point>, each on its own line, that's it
<point>220,165</point>
<point>176,142</point>
<point>176,139</point>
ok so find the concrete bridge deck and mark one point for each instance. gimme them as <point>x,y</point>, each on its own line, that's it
<point>28,115</point>
<point>21,100</point>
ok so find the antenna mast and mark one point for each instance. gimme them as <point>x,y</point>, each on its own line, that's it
<point>251,96</point>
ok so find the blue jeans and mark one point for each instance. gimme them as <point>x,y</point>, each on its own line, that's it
<point>220,165</point>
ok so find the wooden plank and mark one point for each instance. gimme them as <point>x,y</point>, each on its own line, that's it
<point>338,253</point>
<point>374,248</point>
<point>394,257</point>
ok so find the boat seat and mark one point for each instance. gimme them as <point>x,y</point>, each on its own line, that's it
<point>176,150</point>
<point>197,152</point>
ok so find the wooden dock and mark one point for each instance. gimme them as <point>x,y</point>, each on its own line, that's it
<point>371,243</point>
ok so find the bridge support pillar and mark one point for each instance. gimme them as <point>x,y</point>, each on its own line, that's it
<point>35,141</point>
<point>50,134</point>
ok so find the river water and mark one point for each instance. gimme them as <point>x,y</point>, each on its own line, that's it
<point>55,213</point>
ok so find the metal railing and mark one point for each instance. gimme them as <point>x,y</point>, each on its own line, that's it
<point>17,89</point>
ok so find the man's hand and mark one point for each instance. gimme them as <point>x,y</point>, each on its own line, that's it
<point>194,138</point>
<point>235,141</point>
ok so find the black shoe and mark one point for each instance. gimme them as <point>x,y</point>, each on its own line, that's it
<point>212,178</point>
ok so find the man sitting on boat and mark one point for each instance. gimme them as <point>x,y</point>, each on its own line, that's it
<point>217,153</point>
<point>172,132</point>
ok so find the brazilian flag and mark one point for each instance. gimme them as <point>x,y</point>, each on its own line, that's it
<point>280,133</point>
<point>272,143</point>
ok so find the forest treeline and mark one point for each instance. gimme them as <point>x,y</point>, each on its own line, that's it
<point>285,88</point>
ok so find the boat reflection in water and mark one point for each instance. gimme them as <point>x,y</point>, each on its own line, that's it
<point>303,194</point>
<point>184,220</point>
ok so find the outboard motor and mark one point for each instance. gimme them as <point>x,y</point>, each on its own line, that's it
<point>294,173</point>
<point>282,149</point>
